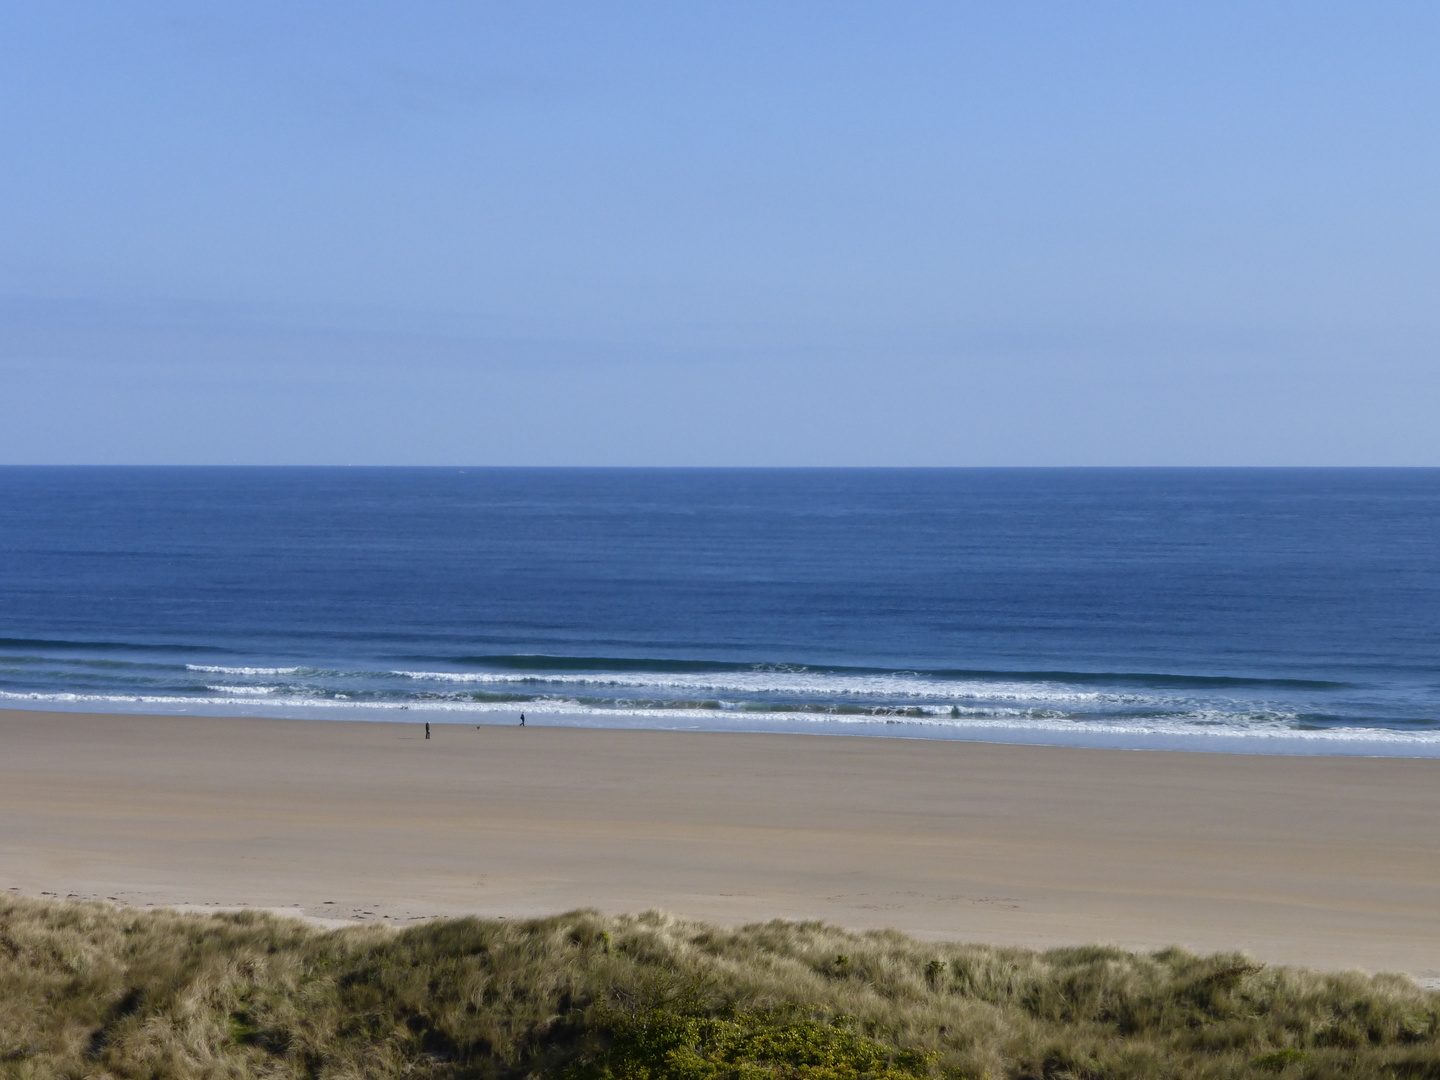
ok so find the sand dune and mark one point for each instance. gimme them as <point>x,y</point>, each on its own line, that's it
<point>1330,862</point>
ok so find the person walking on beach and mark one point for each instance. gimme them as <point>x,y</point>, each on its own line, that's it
<point>427,729</point>
<point>522,719</point>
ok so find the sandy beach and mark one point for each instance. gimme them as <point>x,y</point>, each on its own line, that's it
<point>1327,862</point>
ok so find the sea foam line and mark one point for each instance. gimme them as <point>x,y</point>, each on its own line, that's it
<point>212,669</point>
<point>906,687</point>
<point>736,721</point>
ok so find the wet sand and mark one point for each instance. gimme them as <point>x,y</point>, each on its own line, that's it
<point>1328,862</point>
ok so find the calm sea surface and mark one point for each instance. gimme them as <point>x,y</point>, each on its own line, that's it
<point>1284,610</point>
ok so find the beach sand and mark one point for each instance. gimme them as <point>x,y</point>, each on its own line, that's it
<point>1321,861</point>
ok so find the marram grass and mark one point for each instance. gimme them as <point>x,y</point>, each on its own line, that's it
<point>88,990</point>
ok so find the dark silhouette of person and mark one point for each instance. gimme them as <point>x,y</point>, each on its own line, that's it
<point>522,719</point>
<point>427,729</point>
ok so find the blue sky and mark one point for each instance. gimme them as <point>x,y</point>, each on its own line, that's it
<point>720,234</point>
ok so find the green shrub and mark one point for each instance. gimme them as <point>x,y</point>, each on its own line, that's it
<point>748,1046</point>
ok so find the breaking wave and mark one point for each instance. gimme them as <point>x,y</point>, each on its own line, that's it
<point>732,696</point>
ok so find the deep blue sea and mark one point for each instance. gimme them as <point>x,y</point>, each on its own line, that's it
<point>1235,609</point>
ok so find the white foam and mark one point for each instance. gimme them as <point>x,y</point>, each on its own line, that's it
<point>736,720</point>
<point>890,687</point>
<point>215,670</point>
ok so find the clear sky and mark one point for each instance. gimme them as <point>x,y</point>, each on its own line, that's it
<point>720,233</point>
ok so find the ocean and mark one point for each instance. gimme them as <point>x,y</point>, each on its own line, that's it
<point>1257,610</point>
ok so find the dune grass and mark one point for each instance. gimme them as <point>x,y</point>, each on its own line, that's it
<point>88,990</point>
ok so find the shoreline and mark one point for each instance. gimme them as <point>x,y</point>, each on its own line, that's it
<point>1322,861</point>
<point>1338,742</point>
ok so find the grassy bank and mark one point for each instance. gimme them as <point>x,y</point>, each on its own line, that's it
<point>89,991</point>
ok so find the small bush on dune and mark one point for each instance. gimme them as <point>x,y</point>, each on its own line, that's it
<point>744,1046</point>
<point>92,991</point>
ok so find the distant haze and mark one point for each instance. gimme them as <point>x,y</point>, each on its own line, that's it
<point>724,234</point>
